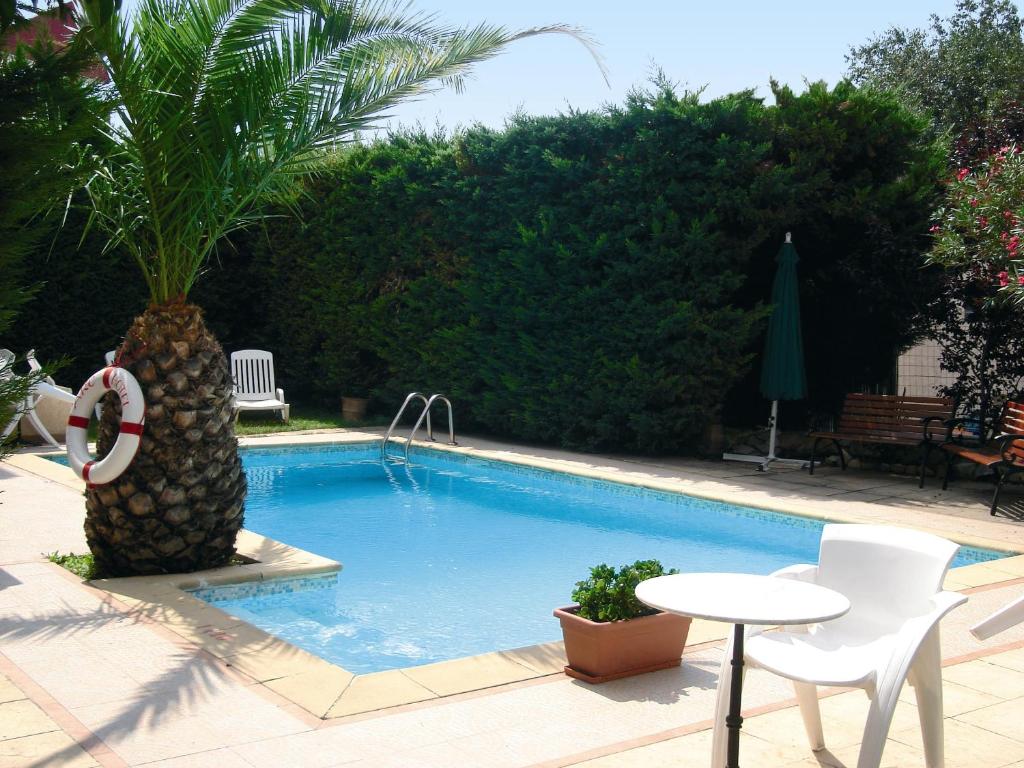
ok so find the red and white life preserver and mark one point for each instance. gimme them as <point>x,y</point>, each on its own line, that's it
<point>133,416</point>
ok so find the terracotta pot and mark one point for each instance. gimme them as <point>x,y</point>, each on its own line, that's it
<point>602,651</point>
<point>353,408</point>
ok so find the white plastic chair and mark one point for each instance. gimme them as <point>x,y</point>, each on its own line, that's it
<point>27,408</point>
<point>252,371</point>
<point>1010,615</point>
<point>893,580</point>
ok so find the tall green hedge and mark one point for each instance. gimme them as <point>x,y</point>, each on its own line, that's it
<point>594,280</point>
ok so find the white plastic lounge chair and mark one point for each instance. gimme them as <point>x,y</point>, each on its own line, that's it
<point>41,389</point>
<point>252,371</point>
<point>893,579</point>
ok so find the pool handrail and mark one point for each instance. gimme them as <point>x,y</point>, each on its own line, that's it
<point>430,435</point>
<point>426,410</point>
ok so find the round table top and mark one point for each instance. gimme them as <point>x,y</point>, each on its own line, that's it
<point>742,598</point>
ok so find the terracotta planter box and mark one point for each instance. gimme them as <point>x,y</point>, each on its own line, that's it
<point>353,408</point>
<point>602,651</point>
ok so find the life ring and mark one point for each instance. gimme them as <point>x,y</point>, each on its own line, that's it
<point>133,416</point>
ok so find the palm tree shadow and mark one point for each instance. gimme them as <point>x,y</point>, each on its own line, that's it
<point>188,681</point>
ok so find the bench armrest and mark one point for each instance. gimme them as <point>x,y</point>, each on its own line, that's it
<point>822,422</point>
<point>951,425</point>
<point>1004,444</point>
<point>926,432</point>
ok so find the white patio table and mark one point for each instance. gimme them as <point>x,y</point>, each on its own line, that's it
<point>741,599</point>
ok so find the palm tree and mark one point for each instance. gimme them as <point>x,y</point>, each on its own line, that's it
<point>222,106</point>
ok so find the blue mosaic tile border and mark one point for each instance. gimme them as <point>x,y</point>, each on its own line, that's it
<point>440,460</point>
<point>263,588</point>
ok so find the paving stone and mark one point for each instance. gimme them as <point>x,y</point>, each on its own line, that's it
<point>23,718</point>
<point>54,749</point>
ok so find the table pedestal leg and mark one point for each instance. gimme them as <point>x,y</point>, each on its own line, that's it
<point>734,721</point>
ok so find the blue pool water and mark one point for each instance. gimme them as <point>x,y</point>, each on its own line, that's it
<point>454,556</point>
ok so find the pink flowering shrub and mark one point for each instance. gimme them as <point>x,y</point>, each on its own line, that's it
<point>979,228</point>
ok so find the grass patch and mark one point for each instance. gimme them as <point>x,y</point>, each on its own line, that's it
<point>266,422</point>
<point>82,566</point>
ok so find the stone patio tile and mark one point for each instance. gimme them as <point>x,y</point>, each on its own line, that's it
<point>1004,718</point>
<point>1009,659</point>
<point>850,711</point>
<point>159,728</point>
<point>313,749</point>
<point>895,755</point>
<point>92,683</point>
<point>277,660</point>
<point>315,690</point>
<point>979,574</point>
<point>545,659</point>
<point>987,678</point>
<point>1012,565</point>
<point>956,698</point>
<point>217,758</point>
<point>785,727</point>
<point>23,718</point>
<point>379,690</point>
<point>968,746</point>
<point>702,631</point>
<point>9,691</point>
<point>223,641</point>
<point>443,755</point>
<point>54,750</point>
<point>690,751</point>
<point>485,671</point>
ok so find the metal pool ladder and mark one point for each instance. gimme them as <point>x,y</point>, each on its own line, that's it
<point>427,403</point>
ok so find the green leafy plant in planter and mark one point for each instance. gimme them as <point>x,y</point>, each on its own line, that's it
<point>609,595</point>
<point>611,634</point>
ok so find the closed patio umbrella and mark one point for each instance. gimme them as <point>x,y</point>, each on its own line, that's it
<point>782,372</point>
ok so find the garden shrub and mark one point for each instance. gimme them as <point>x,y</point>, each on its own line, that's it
<point>594,280</point>
<point>859,195</point>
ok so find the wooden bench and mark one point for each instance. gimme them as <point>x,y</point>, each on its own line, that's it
<point>1003,453</point>
<point>890,420</point>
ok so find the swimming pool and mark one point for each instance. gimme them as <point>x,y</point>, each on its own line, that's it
<point>456,556</point>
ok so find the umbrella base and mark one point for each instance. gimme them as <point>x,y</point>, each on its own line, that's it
<point>764,461</point>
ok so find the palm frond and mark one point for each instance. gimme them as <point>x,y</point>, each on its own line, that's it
<point>222,103</point>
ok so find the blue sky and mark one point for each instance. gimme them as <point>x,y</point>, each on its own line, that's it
<point>726,45</point>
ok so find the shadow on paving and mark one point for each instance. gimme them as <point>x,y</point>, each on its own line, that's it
<point>188,681</point>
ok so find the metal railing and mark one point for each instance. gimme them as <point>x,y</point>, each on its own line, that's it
<point>427,403</point>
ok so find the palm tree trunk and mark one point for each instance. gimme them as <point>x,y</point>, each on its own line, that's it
<point>179,505</point>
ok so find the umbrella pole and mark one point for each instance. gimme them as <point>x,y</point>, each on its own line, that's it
<point>771,426</point>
